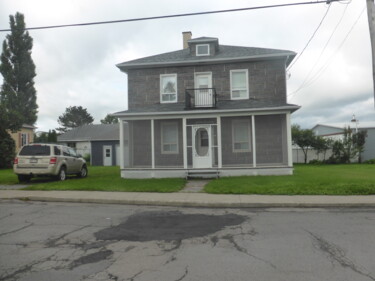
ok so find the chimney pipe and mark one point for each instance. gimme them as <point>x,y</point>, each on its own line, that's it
<point>186,35</point>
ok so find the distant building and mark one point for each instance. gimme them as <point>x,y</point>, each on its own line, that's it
<point>24,136</point>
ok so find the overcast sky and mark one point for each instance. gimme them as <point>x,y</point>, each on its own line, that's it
<point>76,65</point>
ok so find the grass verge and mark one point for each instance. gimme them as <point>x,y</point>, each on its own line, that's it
<point>104,179</point>
<point>349,179</point>
<point>7,177</point>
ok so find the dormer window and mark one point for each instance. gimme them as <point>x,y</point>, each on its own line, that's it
<point>202,50</point>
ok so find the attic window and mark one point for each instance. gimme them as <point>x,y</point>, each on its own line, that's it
<point>203,50</point>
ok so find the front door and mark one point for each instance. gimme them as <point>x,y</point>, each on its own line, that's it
<point>202,154</point>
<point>107,155</point>
<point>203,97</point>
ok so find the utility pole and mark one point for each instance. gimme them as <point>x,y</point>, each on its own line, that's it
<point>371,23</point>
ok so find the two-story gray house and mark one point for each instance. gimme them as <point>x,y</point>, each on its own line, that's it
<point>208,108</point>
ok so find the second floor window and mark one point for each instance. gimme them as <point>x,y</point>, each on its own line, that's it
<point>168,88</point>
<point>239,86</point>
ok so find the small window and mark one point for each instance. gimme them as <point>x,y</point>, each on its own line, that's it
<point>72,152</point>
<point>168,88</point>
<point>66,151</point>
<point>241,135</point>
<point>203,50</point>
<point>239,84</point>
<point>24,139</point>
<point>169,138</point>
<point>57,150</point>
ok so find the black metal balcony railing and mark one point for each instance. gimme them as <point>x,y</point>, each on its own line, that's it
<point>200,98</point>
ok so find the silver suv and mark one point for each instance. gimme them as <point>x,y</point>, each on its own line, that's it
<point>41,159</point>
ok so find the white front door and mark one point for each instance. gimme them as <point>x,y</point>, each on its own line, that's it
<point>203,98</point>
<point>107,155</point>
<point>202,154</point>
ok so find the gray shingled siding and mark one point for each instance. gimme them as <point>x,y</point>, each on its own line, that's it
<point>266,81</point>
<point>163,159</point>
<point>229,157</point>
<point>271,140</point>
<point>97,152</point>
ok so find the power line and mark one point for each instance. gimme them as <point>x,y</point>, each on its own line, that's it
<point>312,36</point>
<point>321,53</point>
<point>325,66</point>
<point>176,15</point>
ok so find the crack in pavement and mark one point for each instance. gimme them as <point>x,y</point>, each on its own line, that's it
<point>231,240</point>
<point>18,229</point>
<point>184,275</point>
<point>52,242</point>
<point>135,275</point>
<point>91,258</point>
<point>337,254</point>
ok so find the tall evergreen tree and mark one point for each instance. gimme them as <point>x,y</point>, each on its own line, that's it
<point>18,94</point>
<point>73,117</point>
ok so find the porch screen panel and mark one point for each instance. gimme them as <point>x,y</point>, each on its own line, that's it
<point>140,148</point>
<point>168,143</point>
<point>271,140</point>
<point>236,145</point>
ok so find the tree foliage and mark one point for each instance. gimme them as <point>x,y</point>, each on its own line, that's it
<point>73,117</point>
<point>304,138</point>
<point>18,94</point>
<point>7,149</point>
<point>109,119</point>
<point>44,137</point>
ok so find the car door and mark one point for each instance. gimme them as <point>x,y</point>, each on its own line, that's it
<point>76,163</point>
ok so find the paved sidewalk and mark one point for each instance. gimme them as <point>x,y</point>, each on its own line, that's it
<point>190,199</point>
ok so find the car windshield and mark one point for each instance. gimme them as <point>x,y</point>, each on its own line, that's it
<point>33,150</point>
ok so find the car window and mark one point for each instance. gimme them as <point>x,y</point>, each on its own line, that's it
<point>66,151</point>
<point>72,152</point>
<point>35,150</point>
<point>57,150</point>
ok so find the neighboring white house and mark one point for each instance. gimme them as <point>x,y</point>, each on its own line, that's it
<point>335,131</point>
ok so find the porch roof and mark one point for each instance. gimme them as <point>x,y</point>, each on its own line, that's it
<point>226,106</point>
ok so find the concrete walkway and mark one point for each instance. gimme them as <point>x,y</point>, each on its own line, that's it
<point>190,199</point>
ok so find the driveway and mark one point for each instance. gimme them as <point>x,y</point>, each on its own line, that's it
<point>68,241</point>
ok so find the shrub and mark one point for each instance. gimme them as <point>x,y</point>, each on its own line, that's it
<point>316,162</point>
<point>370,161</point>
<point>87,157</point>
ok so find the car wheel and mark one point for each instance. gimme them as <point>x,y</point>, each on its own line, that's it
<point>62,174</point>
<point>83,173</point>
<point>23,178</point>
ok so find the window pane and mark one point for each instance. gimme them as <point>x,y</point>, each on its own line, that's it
<point>169,84</point>
<point>169,137</point>
<point>202,49</point>
<point>239,80</point>
<point>241,136</point>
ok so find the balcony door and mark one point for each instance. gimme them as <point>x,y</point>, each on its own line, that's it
<point>203,94</point>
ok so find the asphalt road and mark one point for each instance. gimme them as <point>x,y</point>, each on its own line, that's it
<point>70,241</point>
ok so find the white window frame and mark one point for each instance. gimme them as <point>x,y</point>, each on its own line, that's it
<point>163,125</point>
<point>161,87</point>
<point>234,123</point>
<point>24,139</point>
<point>204,54</point>
<point>247,84</point>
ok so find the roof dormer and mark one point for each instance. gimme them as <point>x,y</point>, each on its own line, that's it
<point>203,46</point>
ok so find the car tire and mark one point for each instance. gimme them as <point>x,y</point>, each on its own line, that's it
<point>83,173</point>
<point>61,176</point>
<point>23,178</point>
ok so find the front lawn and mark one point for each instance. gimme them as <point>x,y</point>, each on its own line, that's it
<point>7,177</point>
<point>349,179</point>
<point>107,179</point>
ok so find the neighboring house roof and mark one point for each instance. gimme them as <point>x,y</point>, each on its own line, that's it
<point>27,126</point>
<point>360,125</point>
<point>93,132</point>
<point>225,53</point>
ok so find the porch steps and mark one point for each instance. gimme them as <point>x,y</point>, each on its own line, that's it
<point>202,174</point>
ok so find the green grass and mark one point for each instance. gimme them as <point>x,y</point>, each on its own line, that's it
<point>106,179</point>
<point>7,177</point>
<point>350,179</point>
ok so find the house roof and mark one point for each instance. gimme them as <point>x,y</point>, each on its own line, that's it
<point>225,53</point>
<point>222,106</point>
<point>27,126</point>
<point>93,132</point>
<point>342,125</point>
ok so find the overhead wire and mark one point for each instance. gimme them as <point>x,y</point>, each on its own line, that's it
<point>312,36</point>
<point>176,15</point>
<point>321,53</point>
<point>325,66</point>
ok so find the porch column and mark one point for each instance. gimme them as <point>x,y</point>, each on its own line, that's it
<point>184,142</point>
<point>289,139</point>
<point>253,141</point>
<point>219,153</point>
<point>152,145</point>
<point>121,144</point>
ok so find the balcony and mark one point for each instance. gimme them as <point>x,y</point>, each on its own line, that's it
<point>200,98</point>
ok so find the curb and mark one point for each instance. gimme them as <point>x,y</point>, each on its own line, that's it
<point>192,199</point>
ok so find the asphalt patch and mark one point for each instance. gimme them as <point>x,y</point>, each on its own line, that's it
<point>167,226</point>
<point>91,258</point>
